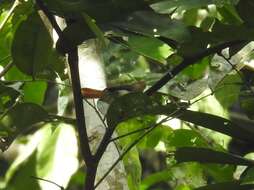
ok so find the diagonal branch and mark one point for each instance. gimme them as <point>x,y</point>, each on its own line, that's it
<point>187,62</point>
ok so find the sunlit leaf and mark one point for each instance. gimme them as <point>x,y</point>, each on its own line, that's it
<point>184,137</point>
<point>34,92</point>
<point>51,156</point>
<point>155,178</point>
<point>44,158</point>
<point>149,47</point>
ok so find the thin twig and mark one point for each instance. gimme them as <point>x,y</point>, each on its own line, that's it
<point>238,72</point>
<point>134,143</point>
<point>49,181</point>
<point>36,80</point>
<point>6,69</point>
<point>50,17</point>
<point>197,130</point>
<point>130,133</point>
<point>97,112</point>
<point>62,118</point>
<point>187,62</point>
<point>5,20</point>
<point>101,119</point>
<point>5,58</point>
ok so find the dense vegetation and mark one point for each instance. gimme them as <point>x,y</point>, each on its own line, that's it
<point>191,127</point>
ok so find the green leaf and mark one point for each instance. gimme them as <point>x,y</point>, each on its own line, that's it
<point>17,120</point>
<point>228,90</point>
<point>65,7</point>
<point>131,125</point>
<point>184,137</point>
<point>154,178</point>
<point>8,96</point>
<point>156,25</point>
<point>245,9</point>
<point>220,173</point>
<point>133,168</point>
<point>203,155</point>
<point>115,10</point>
<point>169,6</point>
<point>160,133</point>
<point>31,46</point>
<point>51,156</point>
<point>232,185</point>
<point>93,27</point>
<point>25,163</point>
<point>150,47</point>
<point>220,31</point>
<point>138,104</point>
<point>44,157</point>
<point>34,92</point>
<point>191,173</point>
<point>229,14</point>
<point>247,104</point>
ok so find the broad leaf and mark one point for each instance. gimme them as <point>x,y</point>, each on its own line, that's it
<point>8,96</point>
<point>203,155</point>
<point>247,104</point>
<point>156,25</point>
<point>17,120</point>
<point>183,137</point>
<point>31,46</point>
<point>171,6</point>
<point>149,47</point>
<point>133,168</point>
<point>138,104</point>
<point>228,90</point>
<point>34,92</point>
<point>154,178</point>
<point>44,157</point>
<point>232,185</point>
<point>245,9</point>
<point>51,156</point>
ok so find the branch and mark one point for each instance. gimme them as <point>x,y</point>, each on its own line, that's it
<point>49,181</point>
<point>187,62</point>
<point>6,69</point>
<point>133,144</point>
<point>73,61</point>
<point>246,83</point>
<point>130,133</point>
<point>14,5</point>
<point>50,17</point>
